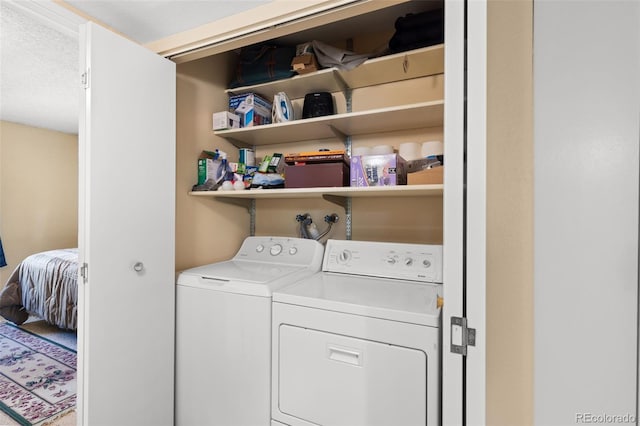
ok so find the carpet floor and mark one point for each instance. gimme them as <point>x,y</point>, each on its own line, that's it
<point>65,338</point>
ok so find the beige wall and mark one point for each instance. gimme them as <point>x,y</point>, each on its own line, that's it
<point>206,230</point>
<point>510,213</point>
<point>38,191</point>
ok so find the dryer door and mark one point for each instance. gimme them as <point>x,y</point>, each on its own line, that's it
<point>330,379</point>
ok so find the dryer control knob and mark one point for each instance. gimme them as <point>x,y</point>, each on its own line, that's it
<point>260,248</point>
<point>426,263</point>
<point>293,250</point>
<point>391,260</point>
<point>275,249</point>
<point>408,261</point>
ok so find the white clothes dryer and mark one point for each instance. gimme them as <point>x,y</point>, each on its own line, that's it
<point>359,342</point>
<point>223,330</point>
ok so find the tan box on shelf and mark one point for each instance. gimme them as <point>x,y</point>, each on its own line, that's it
<point>305,63</point>
<point>426,177</point>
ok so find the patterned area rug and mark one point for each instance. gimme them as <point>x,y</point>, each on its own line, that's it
<point>37,377</point>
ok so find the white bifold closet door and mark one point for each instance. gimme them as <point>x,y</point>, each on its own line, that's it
<point>587,163</point>
<point>127,233</point>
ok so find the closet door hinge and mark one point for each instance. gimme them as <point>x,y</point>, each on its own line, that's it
<point>84,79</point>
<point>461,336</point>
<point>84,272</point>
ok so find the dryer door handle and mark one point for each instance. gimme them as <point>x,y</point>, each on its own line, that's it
<point>349,356</point>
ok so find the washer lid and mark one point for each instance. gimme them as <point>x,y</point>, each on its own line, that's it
<point>396,300</point>
<point>244,277</point>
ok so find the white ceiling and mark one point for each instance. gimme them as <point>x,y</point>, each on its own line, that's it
<point>39,78</point>
<point>146,21</point>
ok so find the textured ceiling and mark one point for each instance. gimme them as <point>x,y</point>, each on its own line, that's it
<point>39,71</point>
<point>39,78</point>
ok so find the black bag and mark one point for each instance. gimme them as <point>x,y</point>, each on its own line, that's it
<point>418,30</point>
<point>262,63</point>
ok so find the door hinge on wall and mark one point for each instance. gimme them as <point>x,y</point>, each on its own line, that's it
<point>461,336</point>
<point>84,272</point>
<point>84,79</point>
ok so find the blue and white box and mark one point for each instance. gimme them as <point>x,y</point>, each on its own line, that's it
<point>252,109</point>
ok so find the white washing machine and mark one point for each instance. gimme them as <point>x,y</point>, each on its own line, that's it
<point>223,330</point>
<point>359,342</point>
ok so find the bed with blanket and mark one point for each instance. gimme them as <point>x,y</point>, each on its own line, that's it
<point>46,285</point>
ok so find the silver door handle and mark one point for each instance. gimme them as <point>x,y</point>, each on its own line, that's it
<point>138,267</point>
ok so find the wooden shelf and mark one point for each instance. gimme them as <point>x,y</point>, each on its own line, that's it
<point>414,116</point>
<point>347,191</point>
<point>326,80</point>
<point>397,67</point>
<point>385,69</point>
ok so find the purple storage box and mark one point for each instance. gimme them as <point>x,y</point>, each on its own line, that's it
<point>378,170</point>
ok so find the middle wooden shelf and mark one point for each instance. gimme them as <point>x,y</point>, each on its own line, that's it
<point>345,191</point>
<point>413,116</point>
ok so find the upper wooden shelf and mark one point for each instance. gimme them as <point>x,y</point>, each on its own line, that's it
<point>413,116</point>
<point>385,69</point>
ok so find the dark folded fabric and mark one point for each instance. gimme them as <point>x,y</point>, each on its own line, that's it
<point>416,20</point>
<point>424,34</point>
<point>418,30</point>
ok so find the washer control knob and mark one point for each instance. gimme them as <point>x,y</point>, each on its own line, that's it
<point>391,260</point>
<point>260,248</point>
<point>293,250</point>
<point>426,263</point>
<point>408,261</point>
<point>275,249</point>
<point>344,256</point>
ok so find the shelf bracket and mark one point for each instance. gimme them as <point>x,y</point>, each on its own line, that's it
<point>346,139</point>
<point>336,199</point>
<point>345,203</point>
<point>339,134</point>
<point>344,87</point>
<point>239,144</point>
<point>247,203</point>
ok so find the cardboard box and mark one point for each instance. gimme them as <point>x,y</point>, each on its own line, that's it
<point>264,164</point>
<point>316,175</point>
<point>207,167</point>
<point>249,97</point>
<point>427,176</point>
<point>247,157</point>
<point>305,63</point>
<point>275,163</point>
<point>378,170</point>
<point>251,108</point>
<point>424,163</point>
<point>225,120</point>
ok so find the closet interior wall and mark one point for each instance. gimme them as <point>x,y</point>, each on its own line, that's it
<point>210,230</point>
